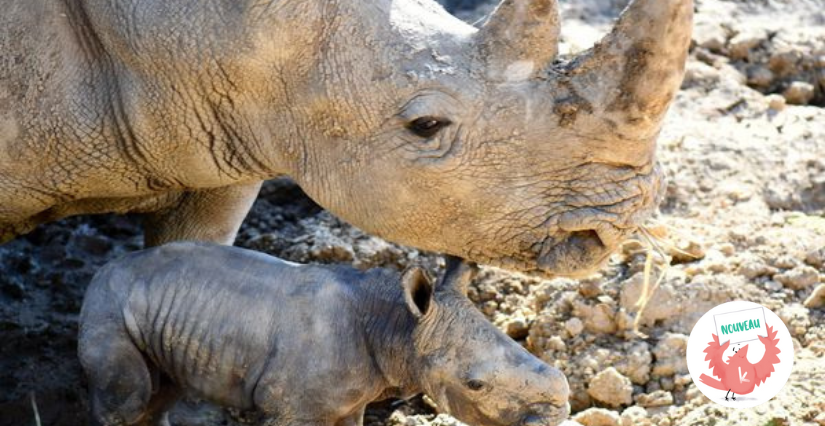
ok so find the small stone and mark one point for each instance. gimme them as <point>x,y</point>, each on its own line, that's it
<point>634,416</point>
<point>686,250</point>
<point>780,417</point>
<point>636,363</point>
<point>798,278</point>
<point>727,249</point>
<point>817,298</point>
<point>663,303</point>
<point>754,268</point>
<point>759,76</point>
<point>741,44</point>
<point>611,388</point>
<point>601,320</point>
<point>710,35</point>
<point>667,383</point>
<point>683,380</point>
<point>574,326</point>
<point>658,398</point>
<point>776,102</point>
<point>557,344</point>
<point>784,63</point>
<point>699,74</point>
<point>816,258</point>
<point>670,355</point>
<point>591,286</point>
<point>785,262</point>
<point>799,93</point>
<point>598,417</point>
<point>773,286</point>
<point>517,328</point>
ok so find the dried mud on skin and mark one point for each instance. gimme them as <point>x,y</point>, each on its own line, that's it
<point>745,211</point>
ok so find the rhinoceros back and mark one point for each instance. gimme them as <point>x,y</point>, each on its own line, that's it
<point>213,317</point>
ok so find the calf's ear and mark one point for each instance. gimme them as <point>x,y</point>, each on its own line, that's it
<point>418,291</point>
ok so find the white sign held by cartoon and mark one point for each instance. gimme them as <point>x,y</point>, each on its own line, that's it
<point>740,326</point>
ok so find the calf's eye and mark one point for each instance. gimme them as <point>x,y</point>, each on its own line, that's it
<point>427,127</point>
<point>475,385</point>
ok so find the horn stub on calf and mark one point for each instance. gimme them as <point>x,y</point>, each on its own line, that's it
<point>458,275</point>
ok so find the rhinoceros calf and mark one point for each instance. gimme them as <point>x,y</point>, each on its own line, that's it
<point>305,345</point>
<point>392,114</point>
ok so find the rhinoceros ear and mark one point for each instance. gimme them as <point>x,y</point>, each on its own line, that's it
<point>520,38</point>
<point>418,291</point>
<point>458,275</point>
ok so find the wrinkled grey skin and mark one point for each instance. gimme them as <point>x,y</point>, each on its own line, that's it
<point>180,108</point>
<point>305,345</point>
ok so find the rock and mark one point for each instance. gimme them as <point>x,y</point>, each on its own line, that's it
<point>611,388</point>
<point>601,320</point>
<point>799,93</point>
<point>710,35</point>
<point>591,286</point>
<point>556,343</point>
<point>667,383</point>
<point>574,326</point>
<point>785,262</point>
<point>686,250</point>
<point>798,278</point>
<point>751,269</point>
<point>773,286</point>
<point>517,328</point>
<point>817,298</point>
<point>598,417</point>
<point>636,363</point>
<point>700,74</point>
<point>741,44</point>
<point>760,77</point>
<point>796,317</point>
<point>784,63</point>
<point>816,258</point>
<point>655,399</point>
<point>670,355</point>
<point>635,416</point>
<point>776,102</point>
<point>663,302</point>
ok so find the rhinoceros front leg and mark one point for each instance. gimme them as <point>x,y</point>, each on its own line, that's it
<point>213,215</point>
<point>357,419</point>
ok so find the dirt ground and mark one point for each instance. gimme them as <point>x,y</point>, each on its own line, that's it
<point>744,148</point>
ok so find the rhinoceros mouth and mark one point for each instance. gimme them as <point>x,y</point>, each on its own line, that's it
<point>576,253</point>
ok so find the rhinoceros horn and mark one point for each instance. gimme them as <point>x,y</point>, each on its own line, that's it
<point>626,81</point>
<point>520,35</point>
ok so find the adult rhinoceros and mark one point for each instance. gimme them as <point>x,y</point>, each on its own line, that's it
<point>392,114</point>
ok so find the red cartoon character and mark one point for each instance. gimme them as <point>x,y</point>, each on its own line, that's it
<point>738,374</point>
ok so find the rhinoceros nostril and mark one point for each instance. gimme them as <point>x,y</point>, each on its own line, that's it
<point>587,238</point>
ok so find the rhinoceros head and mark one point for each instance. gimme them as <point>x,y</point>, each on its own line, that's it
<point>472,370</point>
<point>482,143</point>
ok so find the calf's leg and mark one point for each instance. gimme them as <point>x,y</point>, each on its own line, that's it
<point>120,381</point>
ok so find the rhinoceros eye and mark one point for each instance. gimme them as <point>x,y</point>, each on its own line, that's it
<point>475,385</point>
<point>427,127</point>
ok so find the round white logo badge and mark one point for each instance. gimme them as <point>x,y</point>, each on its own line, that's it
<point>740,354</point>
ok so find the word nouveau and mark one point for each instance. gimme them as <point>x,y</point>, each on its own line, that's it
<point>740,326</point>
